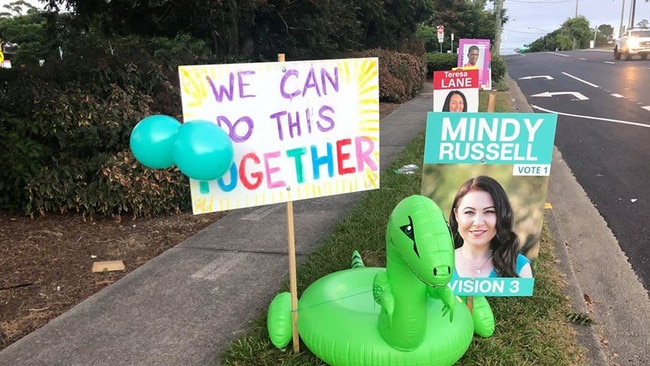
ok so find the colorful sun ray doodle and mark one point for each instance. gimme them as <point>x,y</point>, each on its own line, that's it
<point>300,130</point>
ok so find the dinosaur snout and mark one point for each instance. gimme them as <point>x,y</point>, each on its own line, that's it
<point>442,274</point>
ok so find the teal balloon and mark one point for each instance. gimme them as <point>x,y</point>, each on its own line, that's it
<point>152,141</point>
<point>202,150</point>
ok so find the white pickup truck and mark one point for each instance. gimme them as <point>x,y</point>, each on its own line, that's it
<point>635,42</point>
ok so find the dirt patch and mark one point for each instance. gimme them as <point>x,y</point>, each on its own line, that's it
<point>45,263</point>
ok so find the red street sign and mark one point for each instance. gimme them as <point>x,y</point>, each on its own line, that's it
<point>441,29</point>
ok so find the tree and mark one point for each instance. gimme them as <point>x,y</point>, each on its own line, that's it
<point>465,19</point>
<point>578,29</point>
<point>26,36</point>
<point>394,22</point>
<point>251,29</point>
<point>603,34</point>
<point>429,36</point>
<point>558,40</point>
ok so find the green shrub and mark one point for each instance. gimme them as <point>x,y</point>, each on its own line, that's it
<point>437,61</point>
<point>128,186</point>
<point>121,186</point>
<point>401,75</point>
<point>20,158</point>
<point>498,70</point>
<point>65,127</point>
<point>63,123</point>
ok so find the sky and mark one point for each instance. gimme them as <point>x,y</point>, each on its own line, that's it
<point>532,19</point>
<point>35,3</point>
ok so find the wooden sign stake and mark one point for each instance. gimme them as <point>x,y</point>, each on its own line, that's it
<point>293,287</point>
<point>491,101</point>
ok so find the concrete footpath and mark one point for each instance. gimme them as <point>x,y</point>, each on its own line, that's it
<point>186,305</point>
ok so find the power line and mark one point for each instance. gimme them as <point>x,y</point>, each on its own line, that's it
<point>539,2</point>
<point>523,32</point>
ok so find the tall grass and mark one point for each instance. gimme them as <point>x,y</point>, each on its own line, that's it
<point>529,331</point>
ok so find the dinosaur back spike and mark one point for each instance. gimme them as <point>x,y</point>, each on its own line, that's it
<point>356,260</point>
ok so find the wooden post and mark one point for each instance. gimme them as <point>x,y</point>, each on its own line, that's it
<point>293,286</point>
<point>491,101</point>
<point>293,277</point>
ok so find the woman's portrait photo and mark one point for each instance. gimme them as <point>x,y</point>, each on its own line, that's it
<point>482,223</point>
<point>455,102</point>
<point>495,218</point>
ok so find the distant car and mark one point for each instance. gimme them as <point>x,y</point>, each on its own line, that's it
<point>522,49</point>
<point>635,42</point>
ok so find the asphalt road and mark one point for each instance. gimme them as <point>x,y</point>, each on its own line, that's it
<point>603,132</point>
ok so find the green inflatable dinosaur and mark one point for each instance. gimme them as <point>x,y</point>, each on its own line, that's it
<point>404,314</point>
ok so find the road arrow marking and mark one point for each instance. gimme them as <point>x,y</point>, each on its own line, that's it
<point>550,94</point>
<point>536,77</point>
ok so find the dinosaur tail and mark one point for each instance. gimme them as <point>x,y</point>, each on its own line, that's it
<point>483,316</point>
<point>356,260</point>
<point>279,320</point>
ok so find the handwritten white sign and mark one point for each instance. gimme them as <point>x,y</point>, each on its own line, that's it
<point>299,129</point>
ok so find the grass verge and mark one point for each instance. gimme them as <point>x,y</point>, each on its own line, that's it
<point>529,331</point>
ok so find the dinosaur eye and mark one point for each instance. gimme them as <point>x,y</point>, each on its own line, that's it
<point>409,232</point>
<point>408,229</point>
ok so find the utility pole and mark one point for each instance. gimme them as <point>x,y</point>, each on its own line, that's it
<point>498,9</point>
<point>620,27</point>
<point>575,41</point>
<point>632,9</point>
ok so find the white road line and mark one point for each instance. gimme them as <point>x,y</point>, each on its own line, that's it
<point>647,107</point>
<point>610,62</point>
<point>583,59</point>
<point>547,77</point>
<point>580,80</point>
<point>617,96</point>
<point>559,54</point>
<point>594,118</point>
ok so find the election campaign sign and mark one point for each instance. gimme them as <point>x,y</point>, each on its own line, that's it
<point>475,54</point>
<point>455,91</point>
<point>515,151</point>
